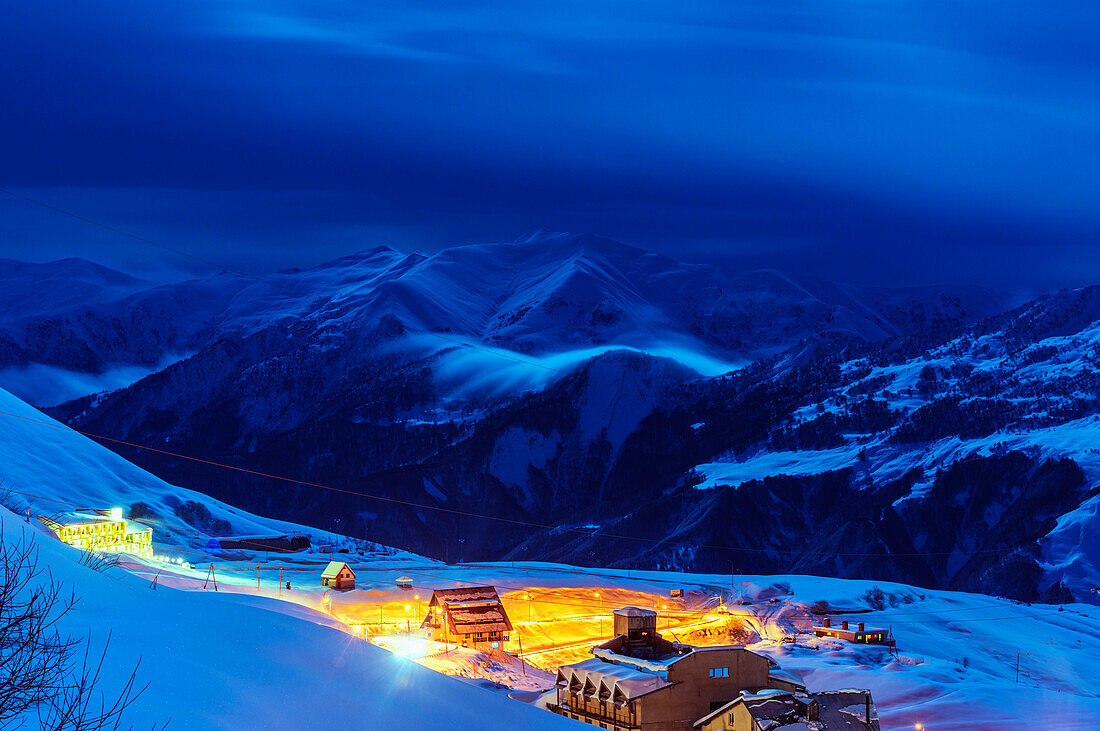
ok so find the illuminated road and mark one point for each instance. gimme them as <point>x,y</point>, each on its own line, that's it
<point>593,641</point>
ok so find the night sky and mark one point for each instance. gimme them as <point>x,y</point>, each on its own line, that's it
<point>881,141</point>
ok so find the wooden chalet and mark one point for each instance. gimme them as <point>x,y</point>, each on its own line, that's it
<point>469,616</point>
<point>338,575</point>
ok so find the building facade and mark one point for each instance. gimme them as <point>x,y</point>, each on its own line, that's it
<point>100,530</point>
<point>468,616</point>
<point>857,632</point>
<point>639,681</point>
<point>837,710</point>
<point>338,575</point>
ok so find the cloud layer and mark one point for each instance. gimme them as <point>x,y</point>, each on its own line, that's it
<point>870,140</point>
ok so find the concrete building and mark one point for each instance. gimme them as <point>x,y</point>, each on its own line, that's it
<point>856,632</point>
<point>639,681</point>
<point>469,616</point>
<point>338,575</point>
<point>773,710</point>
<point>100,530</point>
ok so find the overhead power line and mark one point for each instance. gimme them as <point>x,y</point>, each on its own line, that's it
<point>590,533</point>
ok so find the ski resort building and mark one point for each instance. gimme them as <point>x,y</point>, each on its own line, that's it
<point>100,530</point>
<point>860,633</point>
<point>639,681</point>
<point>338,575</point>
<point>838,710</point>
<point>470,616</point>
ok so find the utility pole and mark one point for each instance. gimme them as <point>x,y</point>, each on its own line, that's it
<point>280,581</point>
<point>1017,667</point>
<point>257,578</point>
<point>522,665</point>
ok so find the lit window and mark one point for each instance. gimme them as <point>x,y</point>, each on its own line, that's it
<point>719,672</point>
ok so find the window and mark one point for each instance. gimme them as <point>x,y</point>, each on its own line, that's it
<point>719,672</point>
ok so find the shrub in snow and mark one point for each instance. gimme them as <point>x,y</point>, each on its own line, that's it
<point>141,510</point>
<point>199,516</point>
<point>47,680</point>
<point>875,598</point>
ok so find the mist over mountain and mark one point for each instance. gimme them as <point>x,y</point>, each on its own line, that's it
<point>618,406</point>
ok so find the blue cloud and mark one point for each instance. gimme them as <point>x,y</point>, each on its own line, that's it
<point>851,138</point>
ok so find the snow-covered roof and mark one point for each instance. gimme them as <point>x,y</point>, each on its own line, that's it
<point>333,570</point>
<point>463,594</point>
<point>780,674</point>
<point>611,680</point>
<point>663,663</point>
<point>74,517</point>
<point>635,612</point>
<point>481,616</point>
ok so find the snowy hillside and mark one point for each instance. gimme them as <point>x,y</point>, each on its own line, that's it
<point>259,656</point>
<point>215,659</point>
<point>1023,383</point>
<point>564,380</point>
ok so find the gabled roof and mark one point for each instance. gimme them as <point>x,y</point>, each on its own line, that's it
<point>68,518</point>
<point>776,710</point>
<point>470,609</point>
<point>487,616</point>
<point>765,705</point>
<point>333,570</point>
<point>463,594</point>
<point>618,681</point>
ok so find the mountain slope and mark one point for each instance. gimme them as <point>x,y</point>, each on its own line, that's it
<point>565,381</point>
<point>247,662</point>
<point>551,296</point>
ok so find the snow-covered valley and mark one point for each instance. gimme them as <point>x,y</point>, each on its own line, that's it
<point>255,654</point>
<point>563,379</point>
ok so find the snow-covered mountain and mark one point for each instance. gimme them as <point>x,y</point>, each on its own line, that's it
<point>547,302</point>
<point>568,380</point>
<point>211,659</point>
<point>252,657</point>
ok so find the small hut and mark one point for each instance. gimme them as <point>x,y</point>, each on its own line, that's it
<point>404,582</point>
<point>338,575</point>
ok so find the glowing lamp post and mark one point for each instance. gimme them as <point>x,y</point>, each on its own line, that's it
<point>600,610</point>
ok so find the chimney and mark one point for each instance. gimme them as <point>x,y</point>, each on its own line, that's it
<point>844,624</point>
<point>867,708</point>
<point>861,626</point>
<point>826,622</point>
